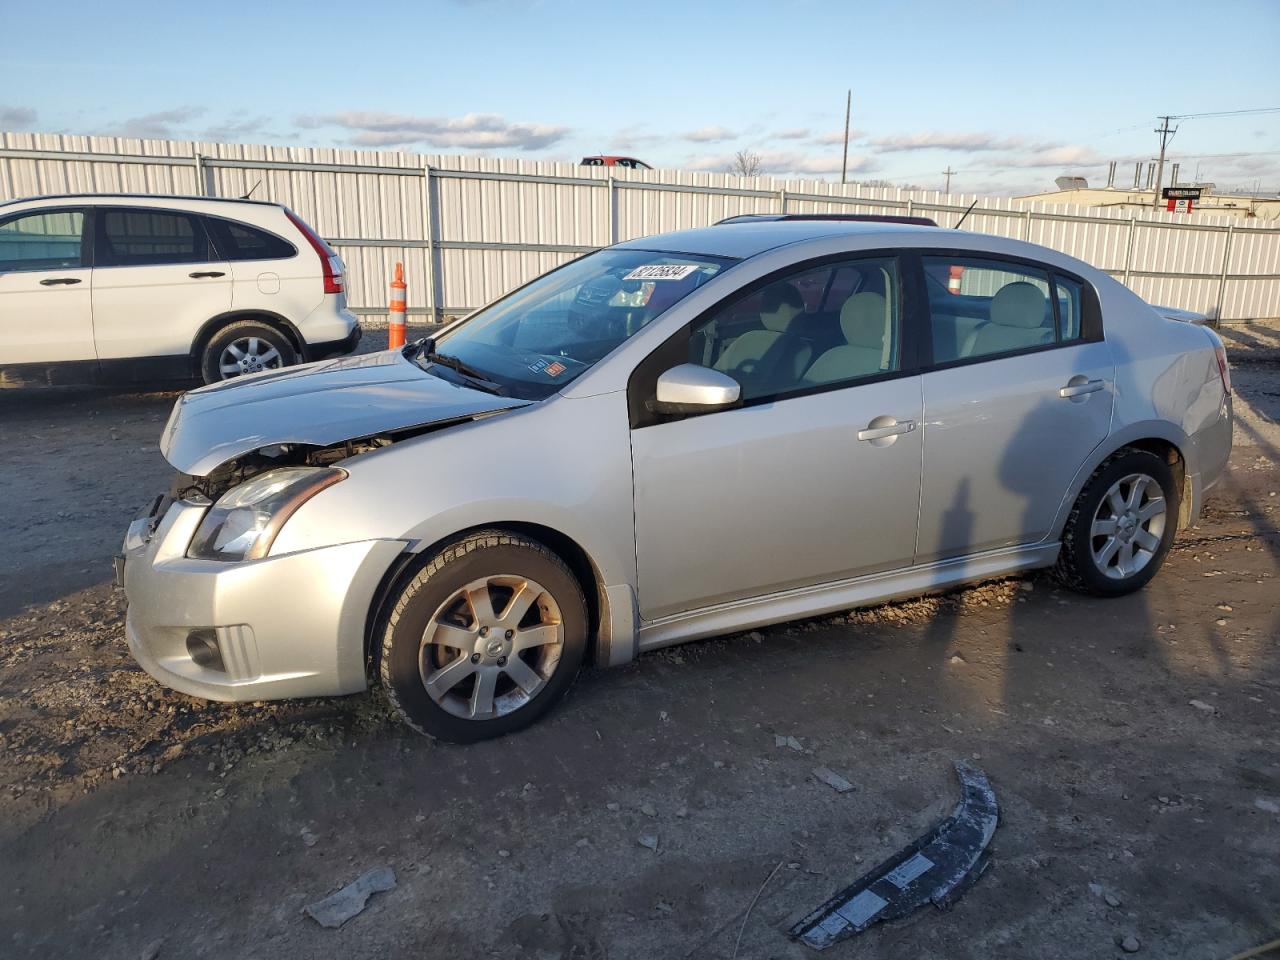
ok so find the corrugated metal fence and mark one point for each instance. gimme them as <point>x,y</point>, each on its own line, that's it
<point>471,228</point>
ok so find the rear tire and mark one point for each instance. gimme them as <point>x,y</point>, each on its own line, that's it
<point>484,639</point>
<point>245,346</point>
<point>1121,527</point>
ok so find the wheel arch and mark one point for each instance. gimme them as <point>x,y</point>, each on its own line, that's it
<point>274,320</point>
<point>1160,439</point>
<point>575,557</point>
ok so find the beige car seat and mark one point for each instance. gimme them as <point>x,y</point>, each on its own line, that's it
<point>865,324</point>
<point>1018,314</point>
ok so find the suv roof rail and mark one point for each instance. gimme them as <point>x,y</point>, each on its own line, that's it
<point>855,217</point>
<point>136,196</point>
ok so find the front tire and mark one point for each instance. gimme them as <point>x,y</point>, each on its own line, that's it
<point>484,639</point>
<point>1121,527</point>
<point>246,346</point>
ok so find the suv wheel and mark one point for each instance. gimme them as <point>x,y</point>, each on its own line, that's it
<point>484,639</point>
<point>246,346</point>
<point>1121,527</point>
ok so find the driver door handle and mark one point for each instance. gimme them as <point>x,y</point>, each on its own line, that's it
<point>1076,388</point>
<point>892,430</point>
<point>206,273</point>
<point>56,281</point>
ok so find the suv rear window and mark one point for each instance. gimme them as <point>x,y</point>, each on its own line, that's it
<point>239,241</point>
<point>137,237</point>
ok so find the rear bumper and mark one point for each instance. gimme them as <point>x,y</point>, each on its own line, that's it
<point>287,626</point>
<point>333,348</point>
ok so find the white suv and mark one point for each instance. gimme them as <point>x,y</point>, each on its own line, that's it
<point>112,287</point>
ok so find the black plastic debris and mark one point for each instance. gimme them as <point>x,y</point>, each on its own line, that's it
<point>938,868</point>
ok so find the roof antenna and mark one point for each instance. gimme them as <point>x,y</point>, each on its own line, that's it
<point>259,183</point>
<point>966,213</point>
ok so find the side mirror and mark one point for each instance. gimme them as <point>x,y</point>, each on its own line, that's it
<point>690,389</point>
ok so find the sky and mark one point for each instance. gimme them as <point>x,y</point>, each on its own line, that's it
<point>1007,94</point>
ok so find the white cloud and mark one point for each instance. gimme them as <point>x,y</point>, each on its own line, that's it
<point>470,132</point>
<point>943,140</point>
<point>712,134</point>
<point>161,125</point>
<point>1062,155</point>
<point>837,137</point>
<point>16,118</point>
<point>792,133</point>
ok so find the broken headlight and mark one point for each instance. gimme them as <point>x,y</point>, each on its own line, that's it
<point>244,522</point>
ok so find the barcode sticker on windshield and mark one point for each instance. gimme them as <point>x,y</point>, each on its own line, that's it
<point>662,271</point>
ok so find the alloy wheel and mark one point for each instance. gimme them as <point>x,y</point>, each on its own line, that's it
<point>248,355</point>
<point>1128,526</point>
<point>491,647</point>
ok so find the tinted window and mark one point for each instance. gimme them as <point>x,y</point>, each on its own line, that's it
<point>981,307</point>
<point>143,237</point>
<point>41,241</point>
<point>792,335</point>
<point>238,241</point>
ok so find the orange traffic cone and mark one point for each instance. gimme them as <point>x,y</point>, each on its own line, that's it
<point>395,326</point>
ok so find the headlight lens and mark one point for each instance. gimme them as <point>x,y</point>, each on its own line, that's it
<point>244,522</point>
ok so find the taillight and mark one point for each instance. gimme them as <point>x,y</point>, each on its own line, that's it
<point>1224,370</point>
<point>330,262</point>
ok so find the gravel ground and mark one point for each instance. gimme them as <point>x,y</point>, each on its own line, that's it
<point>1133,745</point>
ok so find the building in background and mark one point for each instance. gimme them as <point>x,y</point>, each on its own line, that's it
<point>1141,194</point>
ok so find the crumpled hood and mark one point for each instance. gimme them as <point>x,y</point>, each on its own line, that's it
<point>316,404</point>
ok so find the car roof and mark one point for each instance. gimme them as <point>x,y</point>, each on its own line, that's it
<point>153,197</point>
<point>743,240</point>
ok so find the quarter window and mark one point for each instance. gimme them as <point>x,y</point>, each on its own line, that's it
<point>42,241</point>
<point>981,308</point>
<point>1070,298</point>
<point>792,335</point>
<point>239,241</point>
<point>134,238</point>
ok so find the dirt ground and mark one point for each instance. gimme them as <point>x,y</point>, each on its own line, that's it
<point>1134,746</point>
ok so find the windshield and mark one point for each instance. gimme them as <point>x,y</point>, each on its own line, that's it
<point>548,333</point>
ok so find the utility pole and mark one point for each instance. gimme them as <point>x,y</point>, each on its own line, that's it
<point>947,173</point>
<point>844,164</point>
<point>1165,136</point>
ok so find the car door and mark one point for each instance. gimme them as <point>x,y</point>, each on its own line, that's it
<point>45,283</point>
<point>1018,393</point>
<point>815,478</point>
<point>155,282</point>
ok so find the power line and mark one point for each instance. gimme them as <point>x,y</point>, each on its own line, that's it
<point>1224,113</point>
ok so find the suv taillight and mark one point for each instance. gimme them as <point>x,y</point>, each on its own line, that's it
<point>330,262</point>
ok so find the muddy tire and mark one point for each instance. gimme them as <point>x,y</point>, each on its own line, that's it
<point>246,346</point>
<point>484,639</point>
<point>1121,527</point>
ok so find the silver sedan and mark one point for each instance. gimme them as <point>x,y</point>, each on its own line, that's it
<point>675,437</point>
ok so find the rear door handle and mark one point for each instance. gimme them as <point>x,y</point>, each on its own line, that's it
<point>56,281</point>
<point>199,274</point>
<point>873,432</point>
<point>1079,386</point>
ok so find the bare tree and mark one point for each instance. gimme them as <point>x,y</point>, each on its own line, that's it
<point>746,164</point>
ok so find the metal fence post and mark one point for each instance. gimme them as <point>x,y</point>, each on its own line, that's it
<point>199,162</point>
<point>1222,282</point>
<point>1128,253</point>
<point>1026,224</point>
<point>910,206</point>
<point>782,201</point>
<point>435,282</point>
<point>611,212</point>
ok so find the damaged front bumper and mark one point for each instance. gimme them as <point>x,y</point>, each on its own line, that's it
<point>282,626</point>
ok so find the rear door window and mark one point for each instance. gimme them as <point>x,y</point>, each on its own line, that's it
<point>51,240</point>
<point>239,241</point>
<point>137,237</point>
<point>980,307</point>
